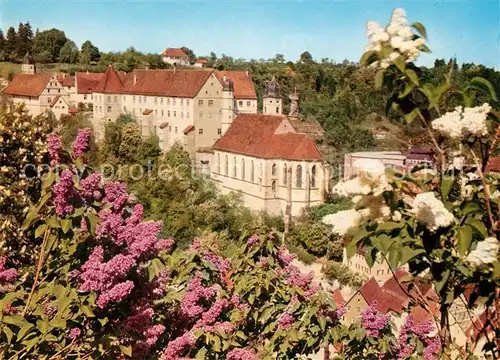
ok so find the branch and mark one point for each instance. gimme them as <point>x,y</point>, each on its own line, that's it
<point>434,141</point>
<point>487,192</point>
<point>38,270</point>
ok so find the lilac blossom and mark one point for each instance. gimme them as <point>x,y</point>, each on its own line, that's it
<point>242,354</point>
<point>115,194</point>
<point>54,145</point>
<point>7,276</point>
<point>372,322</point>
<point>285,256</point>
<point>81,143</point>
<point>178,346</point>
<point>116,294</point>
<point>90,187</point>
<point>64,193</point>
<point>74,333</point>
<point>196,292</point>
<point>286,321</point>
<point>252,240</point>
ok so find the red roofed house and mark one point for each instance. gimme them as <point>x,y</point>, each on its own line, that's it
<point>175,56</point>
<point>272,165</point>
<point>37,91</point>
<point>201,63</point>
<point>85,83</point>
<point>182,98</point>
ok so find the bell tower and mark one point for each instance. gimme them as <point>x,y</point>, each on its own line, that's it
<point>28,66</point>
<point>227,104</point>
<point>272,101</point>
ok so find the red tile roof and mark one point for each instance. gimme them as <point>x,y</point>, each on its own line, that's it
<point>371,291</point>
<point>493,164</point>
<point>179,83</point>
<point>55,100</point>
<point>27,84</point>
<point>163,125</point>
<point>111,82</point>
<point>172,52</point>
<point>202,61</point>
<point>147,111</point>
<point>255,135</point>
<point>66,80</point>
<point>337,296</point>
<point>87,82</point>
<point>73,110</point>
<point>188,129</point>
<point>242,81</point>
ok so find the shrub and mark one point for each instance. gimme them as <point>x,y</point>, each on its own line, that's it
<point>340,272</point>
<point>312,236</point>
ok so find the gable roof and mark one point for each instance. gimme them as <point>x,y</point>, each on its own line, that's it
<point>87,82</point>
<point>56,100</point>
<point>27,84</point>
<point>178,83</point>
<point>242,82</point>
<point>174,52</point>
<point>188,129</point>
<point>255,135</point>
<point>68,81</point>
<point>111,82</point>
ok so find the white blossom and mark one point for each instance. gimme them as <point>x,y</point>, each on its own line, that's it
<point>462,122</point>
<point>431,211</point>
<point>486,252</point>
<point>342,221</point>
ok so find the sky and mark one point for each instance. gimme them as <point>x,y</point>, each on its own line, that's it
<point>253,29</point>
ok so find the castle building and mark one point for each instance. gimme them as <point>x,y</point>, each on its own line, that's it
<point>193,107</point>
<point>175,56</point>
<point>263,157</point>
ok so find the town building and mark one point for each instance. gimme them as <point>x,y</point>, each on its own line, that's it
<point>192,107</point>
<point>380,271</point>
<point>175,57</point>
<point>264,158</point>
<point>201,63</point>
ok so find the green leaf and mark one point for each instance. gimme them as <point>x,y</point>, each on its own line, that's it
<point>484,85</point>
<point>420,28</point>
<point>409,253</point>
<point>478,226</point>
<point>66,224</point>
<point>379,78</point>
<point>94,220</point>
<point>8,333</point>
<point>446,185</point>
<point>408,89</point>
<point>24,330</point>
<point>412,115</point>
<point>52,222</point>
<point>400,63</point>
<point>43,326</point>
<point>58,323</point>
<point>464,239</point>
<point>441,282</point>
<point>126,350</point>
<point>48,180</point>
<point>368,57</point>
<point>40,230</point>
<point>154,268</point>
<point>412,75</point>
<point>322,323</point>
<point>32,216</point>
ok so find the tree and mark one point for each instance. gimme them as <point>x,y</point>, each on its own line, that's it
<point>280,58</point>
<point>44,57</point>
<point>49,43</point>
<point>2,46</point>
<point>89,53</point>
<point>69,53</point>
<point>189,53</point>
<point>306,57</point>
<point>11,44</point>
<point>213,57</point>
<point>24,39</point>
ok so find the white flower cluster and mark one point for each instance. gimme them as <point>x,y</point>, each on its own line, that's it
<point>398,35</point>
<point>463,122</point>
<point>371,180</point>
<point>431,211</point>
<point>342,221</point>
<point>486,252</point>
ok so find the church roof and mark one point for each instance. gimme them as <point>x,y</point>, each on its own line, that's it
<point>242,82</point>
<point>87,82</point>
<point>27,84</point>
<point>256,135</point>
<point>111,82</point>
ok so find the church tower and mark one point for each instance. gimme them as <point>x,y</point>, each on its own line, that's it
<point>272,101</point>
<point>28,66</point>
<point>227,104</point>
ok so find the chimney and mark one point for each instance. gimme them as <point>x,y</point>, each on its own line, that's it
<point>246,73</point>
<point>135,79</point>
<point>147,68</point>
<point>224,78</point>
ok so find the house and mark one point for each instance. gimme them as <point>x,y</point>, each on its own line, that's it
<point>175,56</point>
<point>85,84</point>
<point>380,271</point>
<point>192,107</point>
<point>201,63</point>
<point>274,167</point>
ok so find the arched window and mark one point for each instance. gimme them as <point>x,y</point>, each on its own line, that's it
<point>285,175</point>
<point>273,170</point>
<point>243,169</point>
<point>218,163</point>
<point>252,178</point>
<point>313,176</point>
<point>277,110</point>
<point>234,166</point>
<point>273,185</point>
<point>299,176</point>
<point>226,166</point>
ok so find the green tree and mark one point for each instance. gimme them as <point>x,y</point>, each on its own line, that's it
<point>49,42</point>
<point>191,55</point>
<point>306,57</point>
<point>11,44</point>
<point>2,46</point>
<point>89,53</point>
<point>24,39</point>
<point>44,57</point>
<point>69,53</point>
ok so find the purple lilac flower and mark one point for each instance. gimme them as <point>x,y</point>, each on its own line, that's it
<point>254,239</point>
<point>196,244</point>
<point>286,321</point>
<point>372,322</point>
<point>74,333</point>
<point>164,244</point>
<point>242,354</point>
<point>54,145</point>
<point>405,347</point>
<point>210,316</point>
<point>81,143</point>
<point>178,346</point>
<point>115,194</point>
<point>285,256</point>
<point>64,193</point>
<point>90,186</point>
<point>7,276</point>
<point>222,265</point>
<point>196,293</point>
<point>116,294</point>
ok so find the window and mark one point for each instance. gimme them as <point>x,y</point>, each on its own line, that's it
<point>116,99</point>
<point>124,108</point>
<point>252,177</point>
<point>200,115</point>
<point>162,113</point>
<point>108,98</point>
<point>210,103</point>
<point>187,115</point>
<point>48,90</point>
<point>313,176</point>
<point>170,128</point>
<point>168,101</point>
<point>200,102</point>
<point>176,130</point>
<point>218,163</point>
<point>124,97</point>
<point>161,101</point>
<point>219,131</point>
<point>234,166</point>
<point>273,185</point>
<point>109,109</point>
<point>187,102</point>
<point>285,175</point>
<point>156,112</point>
<point>140,110</point>
<point>248,103</point>
<point>49,100</point>
<point>200,131</point>
<point>299,176</point>
<point>210,115</point>
<point>226,166</point>
<point>58,90</point>
<point>240,103</point>
<point>140,100</point>
<point>182,115</point>
<point>156,100</point>
<point>175,113</point>
<point>277,109</point>
<point>243,169</point>
<point>145,99</point>
<point>133,111</point>
<point>84,97</point>
<point>273,170</point>
<point>168,113</point>
<point>182,102</point>
<point>133,99</point>
<point>173,101</point>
